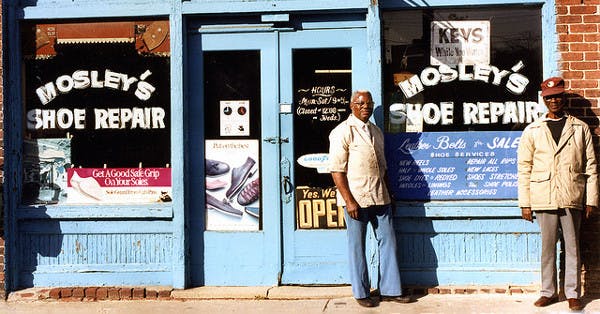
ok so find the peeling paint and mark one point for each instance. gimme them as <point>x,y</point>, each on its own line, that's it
<point>77,246</point>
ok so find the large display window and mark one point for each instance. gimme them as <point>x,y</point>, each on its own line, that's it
<point>96,113</point>
<point>460,86</point>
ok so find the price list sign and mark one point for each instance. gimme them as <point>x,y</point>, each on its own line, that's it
<point>453,165</point>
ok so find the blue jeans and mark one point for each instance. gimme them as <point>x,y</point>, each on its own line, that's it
<point>380,218</point>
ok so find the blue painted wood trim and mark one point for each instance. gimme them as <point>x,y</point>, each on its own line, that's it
<point>217,6</point>
<point>113,268</point>
<point>458,209</point>
<point>481,276</point>
<point>468,250</point>
<point>550,40</point>
<point>95,252</point>
<point>179,124</point>
<point>96,9</point>
<point>195,151</point>
<point>53,9</point>
<point>12,111</point>
<point>122,277</point>
<point>374,66</point>
<point>164,211</point>
<point>49,226</point>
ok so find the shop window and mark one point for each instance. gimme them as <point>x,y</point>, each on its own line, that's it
<point>460,85</point>
<point>96,113</point>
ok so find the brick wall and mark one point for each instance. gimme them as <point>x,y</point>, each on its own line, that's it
<point>2,282</point>
<point>578,24</point>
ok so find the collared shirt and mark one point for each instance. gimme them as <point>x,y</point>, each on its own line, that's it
<point>362,158</point>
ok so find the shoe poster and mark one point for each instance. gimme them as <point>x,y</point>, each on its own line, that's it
<point>232,185</point>
<point>118,185</point>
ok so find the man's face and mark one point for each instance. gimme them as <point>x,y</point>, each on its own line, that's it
<point>555,104</point>
<point>362,106</point>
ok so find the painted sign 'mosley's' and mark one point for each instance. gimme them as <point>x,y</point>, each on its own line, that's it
<point>480,112</point>
<point>110,118</point>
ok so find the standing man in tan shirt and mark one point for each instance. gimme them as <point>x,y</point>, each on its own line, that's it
<point>358,168</point>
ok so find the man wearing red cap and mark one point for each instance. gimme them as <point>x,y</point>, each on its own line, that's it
<point>558,180</point>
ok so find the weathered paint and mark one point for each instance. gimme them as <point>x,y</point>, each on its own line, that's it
<point>441,243</point>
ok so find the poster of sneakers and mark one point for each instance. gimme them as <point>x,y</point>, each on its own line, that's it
<point>45,164</point>
<point>118,185</point>
<point>232,185</point>
<point>235,117</point>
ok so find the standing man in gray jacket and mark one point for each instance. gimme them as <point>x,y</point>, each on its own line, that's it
<point>558,180</point>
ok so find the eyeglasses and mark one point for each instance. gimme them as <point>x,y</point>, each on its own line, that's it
<point>364,104</point>
<point>557,96</point>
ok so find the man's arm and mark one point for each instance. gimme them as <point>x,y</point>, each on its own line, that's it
<point>524,166</point>
<point>525,159</point>
<point>341,182</point>
<point>591,171</point>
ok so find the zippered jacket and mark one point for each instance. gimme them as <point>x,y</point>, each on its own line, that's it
<point>563,175</point>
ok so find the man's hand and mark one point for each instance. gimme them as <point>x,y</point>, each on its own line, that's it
<point>526,214</point>
<point>352,209</point>
<point>589,210</point>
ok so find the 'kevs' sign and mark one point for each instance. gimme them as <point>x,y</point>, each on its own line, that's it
<point>454,42</point>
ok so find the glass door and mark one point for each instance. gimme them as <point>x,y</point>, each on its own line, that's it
<point>319,70</point>
<point>263,210</point>
<point>235,212</point>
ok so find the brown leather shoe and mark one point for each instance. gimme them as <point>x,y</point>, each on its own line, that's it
<point>396,299</point>
<point>575,305</point>
<point>545,301</point>
<point>249,193</point>
<point>365,302</point>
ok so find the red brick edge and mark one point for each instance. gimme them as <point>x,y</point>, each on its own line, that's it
<point>95,294</point>
<point>471,290</point>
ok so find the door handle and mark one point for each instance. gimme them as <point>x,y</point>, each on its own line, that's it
<point>276,140</point>
<point>286,181</point>
<point>287,185</point>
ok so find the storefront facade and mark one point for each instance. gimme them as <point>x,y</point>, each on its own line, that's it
<point>184,143</point>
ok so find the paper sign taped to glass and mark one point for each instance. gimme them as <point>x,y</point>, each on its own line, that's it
<point>235,117</point>
<point>118,185</point>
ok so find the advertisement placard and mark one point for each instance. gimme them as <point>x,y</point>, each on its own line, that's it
<point>453,166</point>
<point>232,185</point>
<point>118,185</point>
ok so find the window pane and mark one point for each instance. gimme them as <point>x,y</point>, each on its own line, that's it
<point>322,91</point>
<point>232,106</point>
<point>97,115</point>
<point>460,76</point>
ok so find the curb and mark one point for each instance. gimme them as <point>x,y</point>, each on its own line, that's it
<point>90,294</point>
